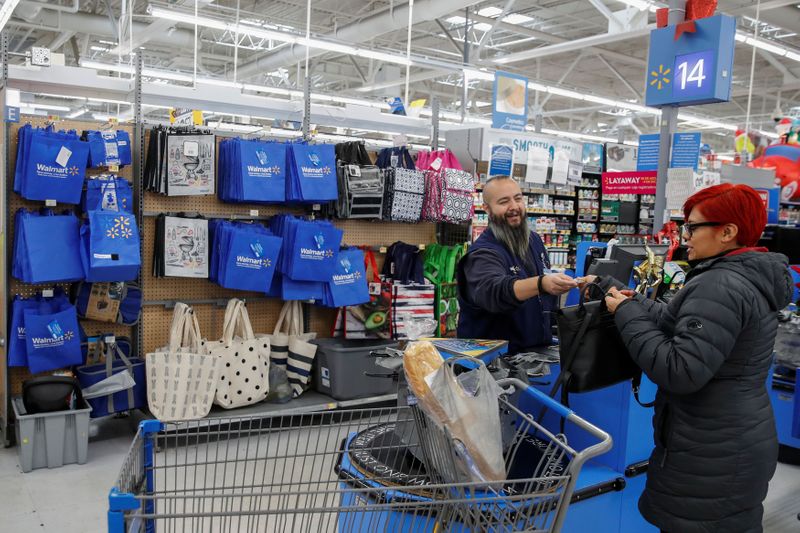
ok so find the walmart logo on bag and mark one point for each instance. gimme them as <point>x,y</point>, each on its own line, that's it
<point>320,253</point>
<point>52,342</point>
<point>50,171</point>
<point>121,228</point>
<point>262,170</point>
<point>348,277</point>
<point>315,171</point>
<point>258,262</point>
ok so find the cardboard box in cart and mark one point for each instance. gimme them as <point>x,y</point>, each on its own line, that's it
<point>341,365</point>
<point>51,439</point>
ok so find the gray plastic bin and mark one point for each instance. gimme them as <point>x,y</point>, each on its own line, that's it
<point>51,439</point>
<point>340,366</point>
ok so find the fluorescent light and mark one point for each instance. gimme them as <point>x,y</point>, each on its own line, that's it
<point>239,128</point>
<point>600,100</point>
<point>6,10</point>
<point>793,56</point>
<point>108,101</point>
<point>491,11</point>
<point>533,86</point>
<point>741,37</point>
<point>99,48</point>
<point>46,107</point>
<point>107,118</point>
<point>458,21</point>
<point>706,122</point>
<point>641,5</point>
<point>97,65</point>
<point>476,74</point>
<point>564,92</point>
<point>518,19</point>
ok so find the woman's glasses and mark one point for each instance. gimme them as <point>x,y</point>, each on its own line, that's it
<point>689,228</point>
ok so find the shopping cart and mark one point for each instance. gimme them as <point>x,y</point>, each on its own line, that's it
<point>363,470</point>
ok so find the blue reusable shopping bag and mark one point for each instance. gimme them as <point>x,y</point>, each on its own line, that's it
<point>52,337</point>
<point>263,171</point>
<point>17,351</point>
<point>41,237</point>
<point>301,290</point>
<point>110,244</point>
<point>109,193</point>
<point>55,166</point>
<point>315,250</point>
<point>312,173</point>
<point>248,257</point>
<point>108,147</point>
<point>348,283</point>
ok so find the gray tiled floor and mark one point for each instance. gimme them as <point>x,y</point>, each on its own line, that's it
<point>73,499</point>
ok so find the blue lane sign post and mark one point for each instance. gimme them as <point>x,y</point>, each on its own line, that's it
<point>510,101</point>
<point>696,68</point>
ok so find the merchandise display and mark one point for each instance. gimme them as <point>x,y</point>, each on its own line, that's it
<point>312,173</point>
<point>244,256</point>
<point>41,236</point>
<point>180,162</point>
<point>252,171</point>
<point>114,302</point>
<point>51,165</point>
<point>107,192</point>
<point>108,148</point>
<point>182,247</point>
<point>110,246</point>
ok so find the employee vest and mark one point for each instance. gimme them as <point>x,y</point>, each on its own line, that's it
<point>527,326</point>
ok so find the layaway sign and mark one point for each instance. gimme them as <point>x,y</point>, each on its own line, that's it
<point>642,182</point>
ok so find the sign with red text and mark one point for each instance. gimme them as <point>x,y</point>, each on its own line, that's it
<point>642,182</point>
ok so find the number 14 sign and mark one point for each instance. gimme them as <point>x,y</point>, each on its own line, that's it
<point>694,69</point>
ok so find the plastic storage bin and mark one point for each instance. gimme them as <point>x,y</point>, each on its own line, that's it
<point>341,365</point>
<point>51,439</point>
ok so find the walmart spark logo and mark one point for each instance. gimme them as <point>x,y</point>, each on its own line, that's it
<point>660,78</point>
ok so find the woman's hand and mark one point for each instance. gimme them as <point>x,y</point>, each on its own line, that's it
<point>615,297</point>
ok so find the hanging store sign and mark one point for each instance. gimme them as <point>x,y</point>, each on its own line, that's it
<point>12,114</point>
<point>649,146</point>
<point>510,101</point>
<point>685,150</point>
<point>643,182</point>
<point>691,68</point>
<point>523,142</point>
<point>185,117</point>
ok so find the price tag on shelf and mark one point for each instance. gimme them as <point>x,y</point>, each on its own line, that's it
<point>382,249</point>
<point>50,203</point>
<point>113,168</point>
<point>421,246</point>
<point>316,207</point>
<point>374,289</point>
<point>254,212</point>
<point>110,339</point>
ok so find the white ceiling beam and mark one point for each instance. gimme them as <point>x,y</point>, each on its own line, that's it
<point>603,9</point>
<point>576,44</point>
<point>361,31</point>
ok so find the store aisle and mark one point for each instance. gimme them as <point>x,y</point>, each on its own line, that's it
<point>74,498</point>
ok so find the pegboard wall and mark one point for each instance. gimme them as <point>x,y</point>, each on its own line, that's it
<point>16,202</point>
<point>161,293</point>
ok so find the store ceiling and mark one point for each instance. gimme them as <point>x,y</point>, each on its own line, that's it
<point>532,38</point>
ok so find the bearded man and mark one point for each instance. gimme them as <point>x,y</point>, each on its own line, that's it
<point>506,290</point>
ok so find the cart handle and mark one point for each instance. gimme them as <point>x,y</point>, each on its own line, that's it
<point>539,396</point>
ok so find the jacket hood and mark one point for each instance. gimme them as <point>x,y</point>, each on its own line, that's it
<point>767,271</point>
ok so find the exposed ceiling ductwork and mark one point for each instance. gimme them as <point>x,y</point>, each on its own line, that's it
<point>359,32</point>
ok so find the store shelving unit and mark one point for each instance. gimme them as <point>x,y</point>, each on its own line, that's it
<point>161,294</point>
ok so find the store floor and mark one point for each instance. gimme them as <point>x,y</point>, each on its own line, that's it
<point>74,498</point>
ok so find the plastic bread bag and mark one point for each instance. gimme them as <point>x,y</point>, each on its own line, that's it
<point>466,405</point>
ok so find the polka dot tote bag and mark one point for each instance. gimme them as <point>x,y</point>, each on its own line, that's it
<point>243,360</point>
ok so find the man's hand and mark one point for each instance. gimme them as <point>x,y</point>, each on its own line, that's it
<point>557,284</point>
<point>615,297</point>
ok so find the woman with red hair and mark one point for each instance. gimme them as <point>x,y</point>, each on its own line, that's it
<point>709,351</point>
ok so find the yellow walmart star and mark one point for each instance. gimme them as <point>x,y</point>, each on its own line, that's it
<point>660,78</point>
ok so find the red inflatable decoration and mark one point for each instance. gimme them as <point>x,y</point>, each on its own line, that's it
<point>785,160</point>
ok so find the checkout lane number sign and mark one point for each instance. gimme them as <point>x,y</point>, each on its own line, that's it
<point>691,75</point>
